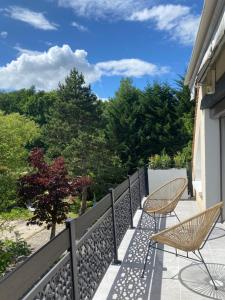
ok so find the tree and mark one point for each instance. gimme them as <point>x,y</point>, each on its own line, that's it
<point>28,102</point>
<point>91,155</point>
<point>16,133</point>
<point>11,102</point>
<point>185,114</point>
<point>142,123</point>
<point>159,128</point>
<point>38,106</point>
<point>76,109</point>
<point>123,123</point>
<point>47,186</point>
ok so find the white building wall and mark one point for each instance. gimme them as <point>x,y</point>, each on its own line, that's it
<point>210,159</point>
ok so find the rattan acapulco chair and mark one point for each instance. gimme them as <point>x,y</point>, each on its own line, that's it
<point>189,235</point>
<point>164,200</point>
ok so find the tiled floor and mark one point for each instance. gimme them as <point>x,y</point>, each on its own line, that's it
<point>167,277</point>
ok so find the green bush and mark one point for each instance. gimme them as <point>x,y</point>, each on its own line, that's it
<point>162,161</point>
<point>180,160</point>
<point>75,206</point>
<point>17,213</point>
<point>10,251</point>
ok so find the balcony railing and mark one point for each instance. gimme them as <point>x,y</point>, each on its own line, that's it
<point>72,265</point>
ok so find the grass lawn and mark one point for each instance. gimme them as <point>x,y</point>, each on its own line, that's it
<point>24,214</point>
<point>17,213</point>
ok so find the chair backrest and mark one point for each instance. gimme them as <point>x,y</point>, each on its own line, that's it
<point>190,234</point>
<point>203,222</point>
<point>170,190</point>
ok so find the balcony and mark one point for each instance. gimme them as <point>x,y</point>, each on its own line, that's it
<point>101,255</point>
<point>167,277</point>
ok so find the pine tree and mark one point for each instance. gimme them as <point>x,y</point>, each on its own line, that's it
<point>122,123</point>
<point>76,109</point>
<point>185,110</point>
<point>159,129</point>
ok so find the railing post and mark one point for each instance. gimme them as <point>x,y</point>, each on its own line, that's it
<point>131,206</point>
<point>70,223</point>
<point>139,181</point>
<point>146,180</point>
<point>116,261</point>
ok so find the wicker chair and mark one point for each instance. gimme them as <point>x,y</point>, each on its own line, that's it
<point>189,235</point>
<point>164,199</point>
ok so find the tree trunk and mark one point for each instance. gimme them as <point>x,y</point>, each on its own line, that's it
<point>53,229</point>
<point>83,201</point>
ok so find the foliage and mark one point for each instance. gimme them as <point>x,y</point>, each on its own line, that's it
<point>10,251</point>
<point>28,102</point>
<point>76,206</point>
<point>76,109</point>
<point>74,131</point>
<point>185,112</point>
<point>47,185</point>
<point>16,132</point>
<point>179,160</point>
<point>17,213</point>
<point>142,123</point>
<point>90,154</point>
<point>162,161</point>
<point>123,124</point>
<point>104,140</point>
<point>183,158</point>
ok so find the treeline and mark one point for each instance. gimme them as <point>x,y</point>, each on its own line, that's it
<point>103,140</point>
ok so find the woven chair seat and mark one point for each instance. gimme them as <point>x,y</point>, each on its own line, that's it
<point>189,234</point>
<point>156,205</point>
<point>164,200</point>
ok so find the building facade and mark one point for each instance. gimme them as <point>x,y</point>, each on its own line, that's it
<point>206,79</point>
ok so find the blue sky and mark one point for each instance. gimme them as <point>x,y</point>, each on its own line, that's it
<point>147,40</point>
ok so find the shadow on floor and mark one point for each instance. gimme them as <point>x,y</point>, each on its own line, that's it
<point>216,233</point>
<point>128,284</point>
<point>201,284</point>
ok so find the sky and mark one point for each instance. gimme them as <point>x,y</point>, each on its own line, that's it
<point>106,40</point>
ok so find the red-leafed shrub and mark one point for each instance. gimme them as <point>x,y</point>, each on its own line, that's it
<point>47,187</point>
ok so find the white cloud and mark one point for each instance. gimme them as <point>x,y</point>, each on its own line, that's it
<point>102,98</point>
<point>35,19</point>
<point>130,68</point>
<point>104,8</point>
<point>3,34</point>
<point>26,51</point>
<point>46,69</point>
<point>164,15</point>
<point>48,43</point>
<point>79,26</point>
<point>177,20</point>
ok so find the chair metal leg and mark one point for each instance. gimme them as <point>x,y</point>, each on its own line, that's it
<point>176,216</point>
<point>146,258</point>
<point>155,222</point>
<point>207,270</point>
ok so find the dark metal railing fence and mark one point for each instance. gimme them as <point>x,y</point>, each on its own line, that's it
<point>71,266</point>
